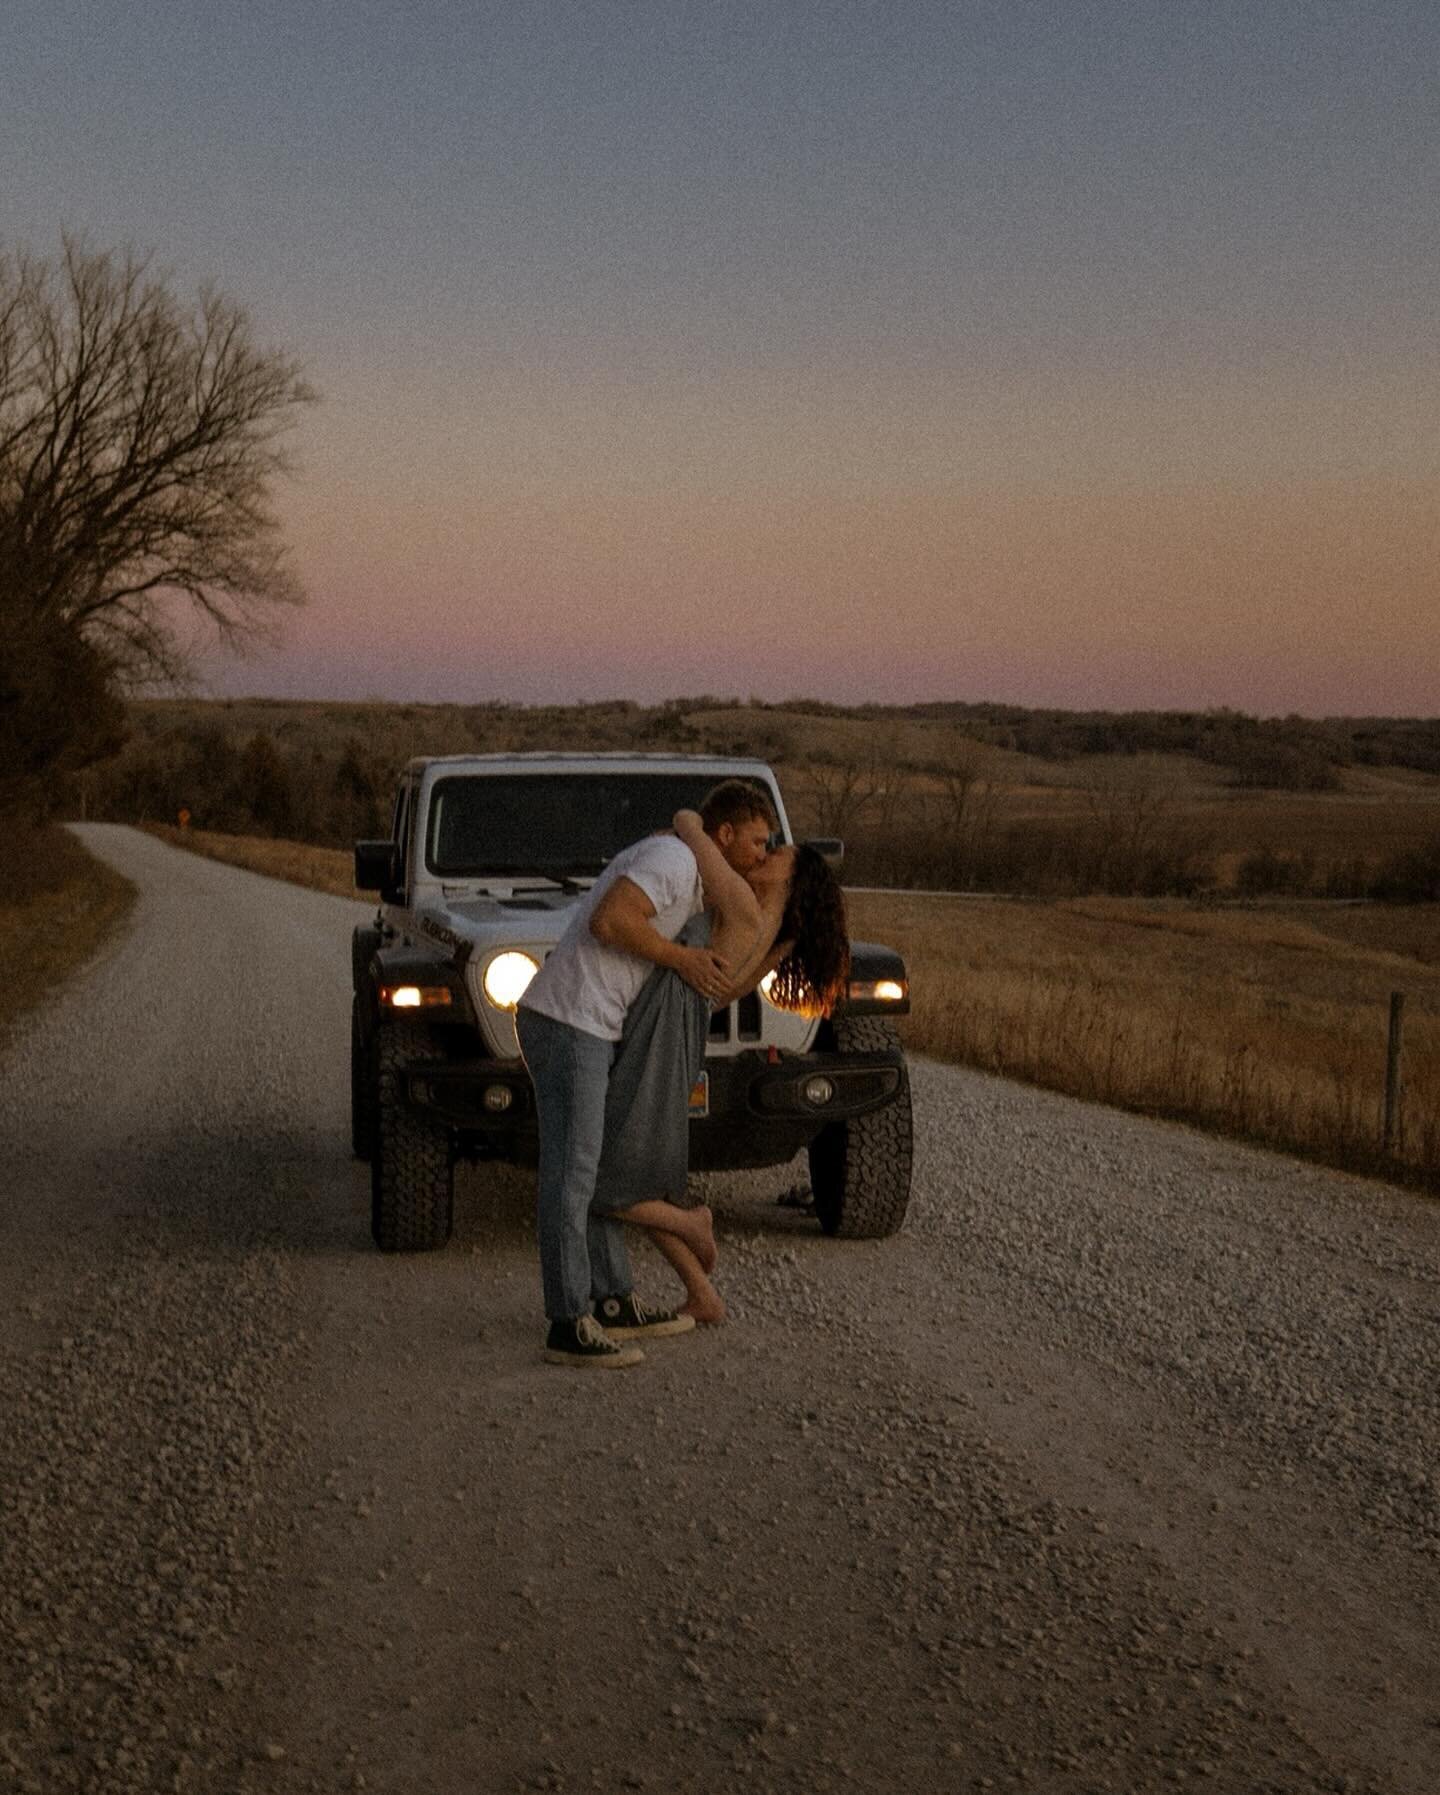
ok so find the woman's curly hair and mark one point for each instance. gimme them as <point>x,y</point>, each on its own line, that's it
<point>815,974</point>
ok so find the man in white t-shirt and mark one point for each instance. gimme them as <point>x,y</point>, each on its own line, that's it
<point>570,1021</point>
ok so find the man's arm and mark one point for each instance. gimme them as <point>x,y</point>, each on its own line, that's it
<point>727,892</point>
<point>624,919</point>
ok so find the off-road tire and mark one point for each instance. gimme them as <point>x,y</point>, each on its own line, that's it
<point>412,1174</point>
<point>362,1088</point>
<point>364,944</point>
<point>860,1168</point>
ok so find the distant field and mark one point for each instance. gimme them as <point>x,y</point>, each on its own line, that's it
<point>1387,817</point>
<point>1381,818</point>
<point>920,799</point>
<point>1267,1022</point>
<point>1395,811</point>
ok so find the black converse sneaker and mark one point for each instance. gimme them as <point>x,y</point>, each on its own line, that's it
<point>583,1342</point>
<point>622,1316</point>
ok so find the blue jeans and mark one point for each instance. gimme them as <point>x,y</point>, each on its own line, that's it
<point>583,1258</point>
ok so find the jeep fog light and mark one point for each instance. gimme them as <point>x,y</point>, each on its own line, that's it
<point>414,997</point>
<point>817,1091</point>
<point>506,977</point>
<point>498,1098</point>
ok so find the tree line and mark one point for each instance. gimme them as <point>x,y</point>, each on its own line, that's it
<point>255,786</point>
<point>315,776</point>
<point>1290,753</point>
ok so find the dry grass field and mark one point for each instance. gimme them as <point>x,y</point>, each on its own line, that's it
<point>1265,1022</point>
<point>1268,1023</point>
<point>57,906</point>
<point>322,869</point>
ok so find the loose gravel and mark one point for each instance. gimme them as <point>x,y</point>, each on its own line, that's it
<point>1294,1313</point>
<point>1114,1471</point>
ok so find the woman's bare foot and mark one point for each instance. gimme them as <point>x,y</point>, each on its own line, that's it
<point>708,1308</point>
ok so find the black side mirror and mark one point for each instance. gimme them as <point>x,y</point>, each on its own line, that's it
<point>376,865</point>
<point>830,850</point>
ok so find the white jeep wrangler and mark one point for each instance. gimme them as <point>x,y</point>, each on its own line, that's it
<point>486,856</point>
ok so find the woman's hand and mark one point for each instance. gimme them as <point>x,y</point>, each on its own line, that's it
<point>688,824</point>
<point>703,971</point>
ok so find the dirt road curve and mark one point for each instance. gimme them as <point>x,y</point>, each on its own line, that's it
<point>1117,1471</point>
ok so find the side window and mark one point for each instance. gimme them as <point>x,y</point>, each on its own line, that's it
<point>400,830</point>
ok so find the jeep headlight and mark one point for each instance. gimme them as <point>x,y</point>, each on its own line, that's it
<point>767,985</point>
<point>879,990</point>
<point>506,978</point>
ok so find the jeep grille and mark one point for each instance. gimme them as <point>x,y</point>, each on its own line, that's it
<point>739,1022</point>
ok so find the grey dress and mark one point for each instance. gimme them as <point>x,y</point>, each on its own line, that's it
<point>647,1106</point>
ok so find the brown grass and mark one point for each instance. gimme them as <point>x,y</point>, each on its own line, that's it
<point>58,907</point>
<point>1410,930</point>
<point>1261,1024</point>
<point>1265,1022</point>
<point>321,869</point>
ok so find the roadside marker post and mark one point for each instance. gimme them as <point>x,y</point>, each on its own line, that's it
<point>1392,1071</point>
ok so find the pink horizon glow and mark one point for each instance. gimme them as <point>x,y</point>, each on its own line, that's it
<point>1312,597</point>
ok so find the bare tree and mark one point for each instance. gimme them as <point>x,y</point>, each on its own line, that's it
<point>842,790</point>
<point>963,787</point>
<point>887,770</point>
<point>139,441</point>
<point>1136,838</point>
<point>968,803</point>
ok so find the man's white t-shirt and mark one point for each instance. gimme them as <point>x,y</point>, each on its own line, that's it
<point>591,986</point>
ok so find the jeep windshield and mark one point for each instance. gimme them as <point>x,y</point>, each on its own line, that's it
<point>549,825</point>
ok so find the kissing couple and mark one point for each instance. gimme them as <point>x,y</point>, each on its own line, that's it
<point>613,1030</point>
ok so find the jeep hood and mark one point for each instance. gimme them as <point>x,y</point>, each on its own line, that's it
<point>483,921</point>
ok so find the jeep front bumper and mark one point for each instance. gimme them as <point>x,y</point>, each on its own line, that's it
<point>761,1110</point>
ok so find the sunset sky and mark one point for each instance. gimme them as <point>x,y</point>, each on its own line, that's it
<point>1066,354</point>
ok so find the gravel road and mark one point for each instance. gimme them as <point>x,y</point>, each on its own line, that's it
<point>1116,1471</point>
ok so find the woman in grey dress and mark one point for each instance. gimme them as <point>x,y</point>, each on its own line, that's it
<point>786,920</point>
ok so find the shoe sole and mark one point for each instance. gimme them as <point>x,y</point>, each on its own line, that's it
<point>657,1330</point>
<point>602,1361</point>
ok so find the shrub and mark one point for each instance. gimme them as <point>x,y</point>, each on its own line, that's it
<point>1412,877</point>
<point>1267,873</point>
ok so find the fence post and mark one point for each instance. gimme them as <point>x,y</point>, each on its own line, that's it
<point>1392,1070</point>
